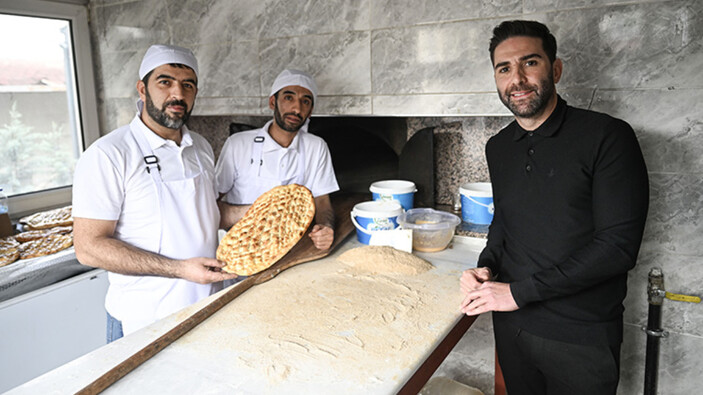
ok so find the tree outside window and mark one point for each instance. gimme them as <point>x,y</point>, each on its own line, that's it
<point>39,135</point>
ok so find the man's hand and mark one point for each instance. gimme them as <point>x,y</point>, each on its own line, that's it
<point>473,278</point>
<point>95,246</point>
<point>490,296</point>
<point>322,236</point>
<point>203,270</point>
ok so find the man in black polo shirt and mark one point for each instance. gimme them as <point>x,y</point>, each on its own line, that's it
<point>571,194</point>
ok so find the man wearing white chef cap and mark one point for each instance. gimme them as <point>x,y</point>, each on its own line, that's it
<point>280,153</point>
<point>144,201</point>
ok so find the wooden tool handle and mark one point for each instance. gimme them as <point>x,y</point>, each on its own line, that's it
<point>119,371</point>
<point>302,252</point>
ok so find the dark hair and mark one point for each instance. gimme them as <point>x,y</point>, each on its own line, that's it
<point>145,80</point>
<point>510,29</point>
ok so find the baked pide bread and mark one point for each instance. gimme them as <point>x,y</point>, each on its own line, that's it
<point>275,222</point>
<point>38,234</point>
<point>49,219</point>
<point>45,246</point>
<point>8,255</point>
<point>8,250</point>
<point>7,242</point>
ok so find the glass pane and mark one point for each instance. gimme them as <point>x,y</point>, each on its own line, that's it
<point>39,134</point>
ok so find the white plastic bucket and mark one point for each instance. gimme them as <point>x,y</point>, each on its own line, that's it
<point>375,216</point>
<point>477,203</point>
<point>400,190</point>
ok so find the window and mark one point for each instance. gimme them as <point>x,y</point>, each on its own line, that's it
<point>48,112</point>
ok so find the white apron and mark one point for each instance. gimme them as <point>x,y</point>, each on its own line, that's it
<point>259,183</point>
<point>189,219</point>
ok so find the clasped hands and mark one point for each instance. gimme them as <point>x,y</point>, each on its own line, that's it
<point>481,294</point>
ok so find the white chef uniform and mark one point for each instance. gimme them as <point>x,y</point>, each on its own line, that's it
<point>170,210</point>
<point>252,162</point>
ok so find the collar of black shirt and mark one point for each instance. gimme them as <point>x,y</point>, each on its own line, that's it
<point>549,127</point>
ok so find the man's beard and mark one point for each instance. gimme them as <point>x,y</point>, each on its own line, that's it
<point>160,115</point>
<point>282,122</point>
<point>543,92</point>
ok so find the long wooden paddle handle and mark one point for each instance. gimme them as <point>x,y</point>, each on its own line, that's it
<point>121,370</point>
<point>342,230</point>
<point>153,348</point>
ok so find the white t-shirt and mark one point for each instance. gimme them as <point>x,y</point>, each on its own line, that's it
<point>242,179</point>
<point>111,183</point>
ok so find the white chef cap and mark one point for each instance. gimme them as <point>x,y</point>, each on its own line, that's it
<point>290,77</point>
<point>158,55</point>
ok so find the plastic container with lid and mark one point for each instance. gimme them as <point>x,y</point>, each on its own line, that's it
<point>432,229</point>
<point>477,203</point>
<point>399,190</point>
<point>374,216</point>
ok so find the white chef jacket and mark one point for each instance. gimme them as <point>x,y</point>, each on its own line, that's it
<point>111,183</point>
<point>243,178</point>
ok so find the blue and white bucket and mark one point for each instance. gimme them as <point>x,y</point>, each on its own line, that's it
<point>400,190</point>
<point>477,203</point>
<point>376,216</point>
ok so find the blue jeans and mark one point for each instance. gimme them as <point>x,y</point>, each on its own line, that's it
<point>114,328</point>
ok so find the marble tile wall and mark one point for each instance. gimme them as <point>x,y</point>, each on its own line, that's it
<point>638,60</point>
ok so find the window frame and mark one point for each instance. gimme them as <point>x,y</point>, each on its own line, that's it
<point>85,91</point>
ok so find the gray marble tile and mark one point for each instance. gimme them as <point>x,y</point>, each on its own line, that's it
<point>227,105</point>
<point>581,98</point>
<point>94,29</point>
<point>531,6</point>
<point>212,21</point>
<point>343,105</point>
<point>444,58</point>
<point>652,45</point>
<point>126,26</point>
<point>284,18</point>
<point>103,2</point>
<point>387,13</point>
<point>680,368</point>
<point>668,123</point>
<point>264,106</point>
<point>119,73</point>
<point>228,69</point>
<point>487,104</point>
<point>681,276</point>
<point>116,113</point>
<point>675,209</point>
<point>338,62</point>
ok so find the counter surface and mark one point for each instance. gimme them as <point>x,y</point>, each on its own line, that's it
<point>365,338</point>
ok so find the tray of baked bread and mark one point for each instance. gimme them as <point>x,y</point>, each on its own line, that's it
<point>39,255</point>
<point>45,233</point>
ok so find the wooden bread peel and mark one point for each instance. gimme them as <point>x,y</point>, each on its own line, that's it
<point>303,251</point>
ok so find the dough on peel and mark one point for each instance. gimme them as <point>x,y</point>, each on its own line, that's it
<point>384,260</point>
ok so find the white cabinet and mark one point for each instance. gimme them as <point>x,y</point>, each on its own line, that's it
<point>46,328</point>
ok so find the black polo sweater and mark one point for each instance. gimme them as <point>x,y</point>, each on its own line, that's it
<point>571,200</point>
